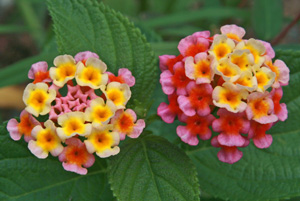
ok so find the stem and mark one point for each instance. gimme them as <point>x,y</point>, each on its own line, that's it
<point>285,31</point>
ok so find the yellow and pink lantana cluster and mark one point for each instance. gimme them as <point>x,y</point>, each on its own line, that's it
<point>233,76</point>
<point>91,118</point>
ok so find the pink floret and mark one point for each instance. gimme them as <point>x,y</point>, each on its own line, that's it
<point>284,73</point>
<point>228,154</point>
<point>169,112</point>
<point>196,126</point>
<point>75,157</point>
<point>233,29</point>
<point>124,76</point>
<point>194,44</point>
<point>258,134</point>
<point>164,61</point>
<point>12,127</point>
<point>280,109</point>
<point>83,56</point>
<point>41,66</point>
<point>269,50</point>
<point>198,99</point>
<point>231,125</point>
<point>166,82</point>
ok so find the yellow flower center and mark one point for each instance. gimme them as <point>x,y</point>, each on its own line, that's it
<point>66,70</point>
<point>262,79</point>
<point>241,61</point>
<point>47,140</point>
<point>221,50</point>
<point>116,96</point>
<point>226,70</point>
<point>231,98</point>
<point>202,69</point>
<point>73,125</point>
<point>37,99</point>
<point>245,81</point>
<point>260,108</point>
<point>101,113</point>
<point>101,141</point>
<point>91,75</point>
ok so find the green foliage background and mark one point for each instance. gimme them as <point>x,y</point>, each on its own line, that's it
<point>151,167</point>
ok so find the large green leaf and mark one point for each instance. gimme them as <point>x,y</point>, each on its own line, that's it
<point>82,25</point>
<point>151,168</point>
<point>262,174</point>
<point>25,177</point>
<point>126,7</point>
<point>267,18</point>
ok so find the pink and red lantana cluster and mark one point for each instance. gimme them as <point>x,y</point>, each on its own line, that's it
<point>229,74</point>
<point>81,122</point>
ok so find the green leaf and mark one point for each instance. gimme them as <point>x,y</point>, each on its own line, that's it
<point>207,13</point>
<point>82,25</point>
<point>151,168</point>
<point>267,18</point>
<point>24,177</point>
<point>126,7</point>
<point>262,174</point>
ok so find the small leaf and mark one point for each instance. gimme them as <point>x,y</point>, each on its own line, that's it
<point>82,25</point>
<point>262,174</point>
<point>25,177</point>
<point>267,18</point>
<point>151,168</point>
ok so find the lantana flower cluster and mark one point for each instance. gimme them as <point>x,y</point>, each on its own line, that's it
<point>227,84</point>
<point>91,118</point>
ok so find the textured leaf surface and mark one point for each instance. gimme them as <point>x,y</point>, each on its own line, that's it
<point>262,174</point>
<point>25,177</point>
<point>267,17</point>
<point>151,168</point>
<point>82,25</point>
